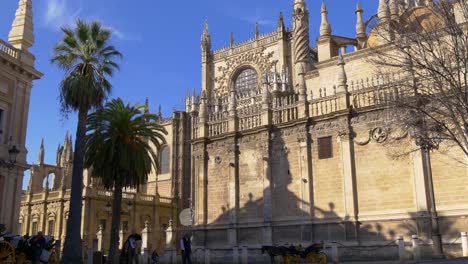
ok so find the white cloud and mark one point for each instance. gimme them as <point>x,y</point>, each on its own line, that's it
<point>124,36</point>
<point>59,13</point>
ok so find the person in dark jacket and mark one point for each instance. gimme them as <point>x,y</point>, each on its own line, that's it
<point>186,248</point>
<point>37,243</point>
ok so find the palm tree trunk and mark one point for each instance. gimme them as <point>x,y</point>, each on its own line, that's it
<point>72,250</point>
<point>114,239</point>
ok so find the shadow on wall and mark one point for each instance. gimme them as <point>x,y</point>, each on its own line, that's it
<point>295,220</point>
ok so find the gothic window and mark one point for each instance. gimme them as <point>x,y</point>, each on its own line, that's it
<point>246,82</point>
<point>34,228</point>
<point>164,160</point>
<point>125,226</point>
<point>102,223</point>
<point>325,148</point>
<point>51,227</point>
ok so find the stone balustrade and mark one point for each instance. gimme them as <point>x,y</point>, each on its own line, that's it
<point>324,106</point>
<point>262,40</point>
<point>253,110</point>
<point>9,50</point>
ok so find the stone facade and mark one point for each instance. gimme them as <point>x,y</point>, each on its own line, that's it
<point>17,73</point>
<point>45,205</point>
<point>284,144</point>
<point>292,144</point>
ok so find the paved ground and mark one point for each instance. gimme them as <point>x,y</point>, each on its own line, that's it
<point>448,261</point>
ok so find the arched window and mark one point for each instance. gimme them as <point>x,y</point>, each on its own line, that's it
<point>164,160</point>
<point>246,81</point>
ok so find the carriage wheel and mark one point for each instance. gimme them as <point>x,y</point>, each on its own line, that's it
<point>316,258</point>
<point>53,259</point>
<point>21,259</point>
<point>291,259</point>
<point>7,251</point>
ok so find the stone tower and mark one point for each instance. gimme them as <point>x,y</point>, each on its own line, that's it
<point>301,43</point>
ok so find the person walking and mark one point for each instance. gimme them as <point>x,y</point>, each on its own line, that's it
<point>186,248</point>
<point>37,243</point>
<point>131,247</point>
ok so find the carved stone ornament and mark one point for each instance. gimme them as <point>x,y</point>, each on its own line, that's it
<point>256,57</point>
<point>218,160</point>
<point>378,134</point>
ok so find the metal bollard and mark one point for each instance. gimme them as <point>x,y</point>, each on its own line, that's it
<point>416,248</point>
<point>334,253</point>
<point>235,255</point>
<point>245,258</point>
<point>207,256</point>
<point>401,248</point>
<point>464,239</point>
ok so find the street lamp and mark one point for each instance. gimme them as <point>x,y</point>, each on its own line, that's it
<point>108,207</point>
<point>13,153</point>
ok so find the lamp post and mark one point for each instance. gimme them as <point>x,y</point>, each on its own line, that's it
<point>12,153</point>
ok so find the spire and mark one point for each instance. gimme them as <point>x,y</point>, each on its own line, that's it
<point>394,10</point>
<point>160,115</point>
<point>21,33</point>
<point>360,25</point>
<point>70,149</point>
<point>206,38</point>
<point>341,77</point>
<point>281,26</point>
<point>231,41</point>
<point>325,28</point>
<point>383,11</point>
<point>146,106</point>
<point>66,146</point>
<point>40,161</point>
<point>58,154</point>
<point>257,30</point>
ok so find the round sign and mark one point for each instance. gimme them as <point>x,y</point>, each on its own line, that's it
<point>185,217</point>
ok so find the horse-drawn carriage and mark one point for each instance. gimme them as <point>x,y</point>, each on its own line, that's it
<point>17,250</point>
<point>312,254</point>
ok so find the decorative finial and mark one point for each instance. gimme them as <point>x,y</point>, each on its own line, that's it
<point>41,153</point>
<point>325,28</point>
<point>383,11</point>
<point>232,39</point>
<point>206,38</point>
<point>21,34</point>
<point>342,79</point>
<point>160,111</point>
<point>281,22</point>
<point>146,105</point>
<point>360,25</point>
<point>394,10</point>
<point>257,30</point>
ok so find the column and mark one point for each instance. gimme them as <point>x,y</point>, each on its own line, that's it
<point>233,189</point>
<point>100,238</point>
<point>267,208</point>
<point>305,172</point>
<point>427,220</point>
<point>349,179</point>
<point>145,238</point>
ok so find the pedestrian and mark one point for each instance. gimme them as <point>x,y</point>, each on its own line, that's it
<point>154,257</point>
<point>37,243</point>
<point>186,248</point>
<point>131,247</point>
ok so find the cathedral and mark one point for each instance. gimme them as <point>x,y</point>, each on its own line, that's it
<point>285,143</point>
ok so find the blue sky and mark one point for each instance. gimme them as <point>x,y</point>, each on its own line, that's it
<point>160,41</point>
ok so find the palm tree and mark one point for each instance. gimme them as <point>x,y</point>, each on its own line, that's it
<point>86,56</point>
<point>121,148</point>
